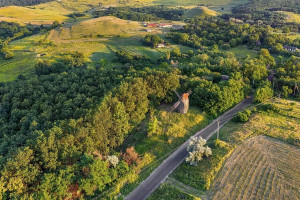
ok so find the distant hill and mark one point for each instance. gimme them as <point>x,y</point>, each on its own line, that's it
<point>21,2</point>
<point>271,5</point>
<point>199,11</point>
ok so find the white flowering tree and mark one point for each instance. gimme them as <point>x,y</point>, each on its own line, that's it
<point>197,150</point>
<point>113,160</point>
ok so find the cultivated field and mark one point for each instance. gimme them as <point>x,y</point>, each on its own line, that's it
<point>260,168</point>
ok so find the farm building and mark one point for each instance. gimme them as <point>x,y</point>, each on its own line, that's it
<point>152,25</point>
<point>164,25</point>
<point>177,27</point>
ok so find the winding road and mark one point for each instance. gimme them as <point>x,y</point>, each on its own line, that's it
<point>177,157</point>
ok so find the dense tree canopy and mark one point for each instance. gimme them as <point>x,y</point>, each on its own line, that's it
<point>21,3</point>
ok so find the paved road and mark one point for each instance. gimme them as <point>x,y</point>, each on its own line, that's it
<point>178,156</point>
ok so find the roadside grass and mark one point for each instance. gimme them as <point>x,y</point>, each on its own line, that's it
<point>173,130</point>
<point>283,125</point>
<point>201,176</point>
<point>167,192</point>
<point>242,51</point>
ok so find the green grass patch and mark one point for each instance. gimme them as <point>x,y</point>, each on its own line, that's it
<point>201,176</point>
<point>242,52</point>
<point>167,192</point>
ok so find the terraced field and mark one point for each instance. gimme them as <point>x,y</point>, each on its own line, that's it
<point>260,168</point>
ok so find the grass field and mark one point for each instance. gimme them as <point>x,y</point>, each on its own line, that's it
<point>198,11</point>
<point>264,166</point>
<point>242,52</point>
<point>35,16</point>
<point>260,168</point>
<point>97,28</point>
<point>167,192</point>
<point>46,13</point>
<point>291,17</point>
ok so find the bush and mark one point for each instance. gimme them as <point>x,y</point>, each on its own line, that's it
<point>270,107</point>
<point>263,93</point>
<point>286,91</point>
<point>8,55</point>
<point>243,116</point>
<point>197,150</point>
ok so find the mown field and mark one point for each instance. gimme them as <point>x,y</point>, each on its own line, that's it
<point>260,168</point>
<point>255,160</point>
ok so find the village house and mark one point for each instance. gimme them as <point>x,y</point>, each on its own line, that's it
<point>225,77</point>
<point>161,45</point>
<point>258,43</point>
<point>290,48</point>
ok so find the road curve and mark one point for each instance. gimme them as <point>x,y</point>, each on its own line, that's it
<point>177,157</point>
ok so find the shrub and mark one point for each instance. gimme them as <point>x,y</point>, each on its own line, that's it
<point>197,150</point>
<point>8,55</point>
<point>243,116</point>
<point>286,91</point>
<point>131,156</point>
<point>113,160</point>
<point>263,93</point>
<point>270,107</point>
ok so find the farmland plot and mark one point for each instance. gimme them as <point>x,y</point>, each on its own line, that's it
<point>260,168</point>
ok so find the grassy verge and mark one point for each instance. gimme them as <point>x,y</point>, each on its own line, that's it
<point>167,192</point>
<point>281,123</point>
<point>172,130</point>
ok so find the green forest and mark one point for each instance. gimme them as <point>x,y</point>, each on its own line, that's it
<point>62,129</point>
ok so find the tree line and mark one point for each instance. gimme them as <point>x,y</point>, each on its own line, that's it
<point>4,3</point>
<point>200,33</point>
<point>149,13</point>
